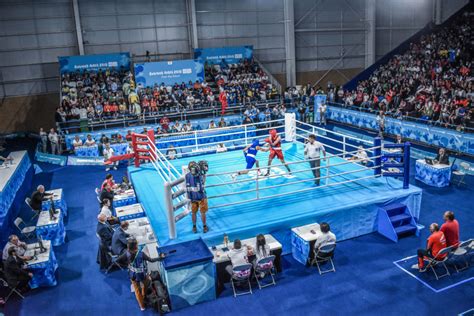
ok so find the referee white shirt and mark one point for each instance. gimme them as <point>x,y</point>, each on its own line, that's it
<point>313,150</point>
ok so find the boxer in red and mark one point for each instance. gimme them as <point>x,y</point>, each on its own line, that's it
<point>274,142</point>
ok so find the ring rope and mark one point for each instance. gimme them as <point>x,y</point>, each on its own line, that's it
<point>292,182</point>
<point>287,193</point>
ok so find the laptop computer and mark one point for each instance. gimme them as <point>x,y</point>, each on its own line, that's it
<point>429,161</point>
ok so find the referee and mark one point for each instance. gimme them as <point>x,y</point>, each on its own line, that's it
<point>312,152</point>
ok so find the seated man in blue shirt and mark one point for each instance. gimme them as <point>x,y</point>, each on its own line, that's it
<point>119,239</point>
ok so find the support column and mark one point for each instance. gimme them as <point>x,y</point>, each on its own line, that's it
<point>290,43</point>
<point>77,21</point>
<point>437,12</point>
<point>193,23</point>
<point>370,33</point>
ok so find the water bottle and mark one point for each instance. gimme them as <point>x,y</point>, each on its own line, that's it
<point>226,240</point>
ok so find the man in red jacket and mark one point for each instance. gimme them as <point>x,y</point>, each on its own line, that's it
<point>223,100</point>
<point>435,243</point>
<point>450,229</point>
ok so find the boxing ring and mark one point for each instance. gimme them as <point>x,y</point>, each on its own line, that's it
<point>348,197</point>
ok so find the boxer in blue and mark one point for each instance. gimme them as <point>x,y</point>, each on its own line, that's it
<point>250,153</point>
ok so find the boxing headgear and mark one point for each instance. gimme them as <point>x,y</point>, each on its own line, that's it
<point>255,142</point>
<point>194,168</point>
<point>273,132</point>
<point>203,166</point>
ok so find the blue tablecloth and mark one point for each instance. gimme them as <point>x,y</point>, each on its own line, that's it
<point>299,248</point>
<point>7,195</point>
<point>44,272</point>
<point>127,201</point>
<point>61,204</point>
<point>54,232</point>
<point>93,151</point>
<point>432,175</point>
<point>132,216</point>
<point>188,273</point>
<point>87,151</point>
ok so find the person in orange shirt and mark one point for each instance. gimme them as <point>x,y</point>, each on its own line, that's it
<point>107,109</point>
<point>450,229</point>
<point>436,242</point>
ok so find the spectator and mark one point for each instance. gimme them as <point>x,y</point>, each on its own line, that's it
<point>109,153</point>
<point>89,141</point>
<point>361,156</point>
<point>436,242</point>
<point>54,141</point>
<point>221,148</point>
<point>77,142</point>
<point>222,122</point>
<point>212,125</point>
<point>171,153</point>
<point>322,113</point>
<point>450,229</point>
<point>44,140</point>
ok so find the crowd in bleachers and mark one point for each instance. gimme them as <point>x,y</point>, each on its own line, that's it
<point>110,94</point>
<point>91,94</point>
<point>432,80</point>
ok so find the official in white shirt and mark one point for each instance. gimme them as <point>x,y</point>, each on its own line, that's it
<point>109,153</point>
<point>326,237</point>
<point>312,152</point>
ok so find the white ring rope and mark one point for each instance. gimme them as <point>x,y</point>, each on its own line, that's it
<point>335,133</point>
<point>329,156</point>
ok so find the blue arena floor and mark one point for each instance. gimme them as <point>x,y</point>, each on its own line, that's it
<point>350,208</point>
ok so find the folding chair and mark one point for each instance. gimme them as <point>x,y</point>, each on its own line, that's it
<point>462,252</point>
<point>26,231</point>
<point>461,172</point>
<point>241,275</point>
<point>433,262</point>
<point>324,254</point>
<point>36,213</point>
<point>113,262</point>
<point>12,289</point>
<point>265,266</point>
<point>97,192</point>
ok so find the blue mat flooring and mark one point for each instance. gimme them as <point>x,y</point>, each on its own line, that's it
<point>366,282</point>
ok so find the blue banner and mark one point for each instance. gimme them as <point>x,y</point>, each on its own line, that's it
<point>93,62</point>
<point>49,158</point>
<point>231,55</point>
<point>168,72</point>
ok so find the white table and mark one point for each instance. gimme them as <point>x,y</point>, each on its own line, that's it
<point>221,256</point>
<point>141,230</point>
<point>51,229</point>
<point>122,198</point>
<point>436,175</point>
<point>221,260</point>
<point>43,265</point>
<point>58,199</point>
<point>302,240</point>
<point>128,212</point>
<point>7,169</point>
